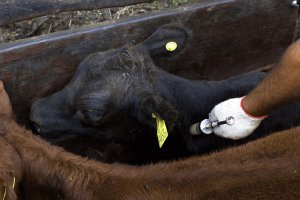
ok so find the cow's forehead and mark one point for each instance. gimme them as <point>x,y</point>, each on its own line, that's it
<point>130,60</point>
<point>125,65</point>
<point>115,72</point>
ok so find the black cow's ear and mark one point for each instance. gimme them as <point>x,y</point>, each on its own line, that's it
<point>156,43</point>
<point>154,104</point>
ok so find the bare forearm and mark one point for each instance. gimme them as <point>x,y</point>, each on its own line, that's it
<point>280,87</point>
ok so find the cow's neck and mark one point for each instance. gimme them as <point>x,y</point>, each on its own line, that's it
<point>77,178</point>
<point>193,99</point>
<point>47,166</point>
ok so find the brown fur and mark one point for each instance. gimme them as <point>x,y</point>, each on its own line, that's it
<point>266,169</point>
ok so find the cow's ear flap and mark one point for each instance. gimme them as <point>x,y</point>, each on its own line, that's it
<point>156,43</point>
<point>154,104</point>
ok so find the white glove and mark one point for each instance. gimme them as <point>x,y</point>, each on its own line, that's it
<point>244,124</point>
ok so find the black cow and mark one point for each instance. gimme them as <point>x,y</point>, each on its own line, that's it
<point>114,93</point>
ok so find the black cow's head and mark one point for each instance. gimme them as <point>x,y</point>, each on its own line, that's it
<point>110,91</point>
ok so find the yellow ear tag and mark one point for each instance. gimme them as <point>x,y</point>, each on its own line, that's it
<point>14,183</point>
<point>171,46</point>
<point>5,191</point>
<point>5,188</point>
<point>162,132</point>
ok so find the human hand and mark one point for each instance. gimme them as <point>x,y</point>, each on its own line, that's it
<point>244,124</point>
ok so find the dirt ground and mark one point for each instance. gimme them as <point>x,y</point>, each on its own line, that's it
<point>71,20</point>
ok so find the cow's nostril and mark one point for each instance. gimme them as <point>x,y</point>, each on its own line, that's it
<point>36,128</point>
<point>36,110</point>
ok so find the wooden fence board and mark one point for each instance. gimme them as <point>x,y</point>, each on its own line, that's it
<point>18,10</point>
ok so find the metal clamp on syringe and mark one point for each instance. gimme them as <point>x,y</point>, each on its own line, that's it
<point>207,126</point>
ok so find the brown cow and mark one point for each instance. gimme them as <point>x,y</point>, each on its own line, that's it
<point>266,169</point>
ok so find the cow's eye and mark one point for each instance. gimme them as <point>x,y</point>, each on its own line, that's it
<point>92,108</point>
<point>92,116</point>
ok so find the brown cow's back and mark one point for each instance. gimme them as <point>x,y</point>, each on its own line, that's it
<point>263,169</point>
